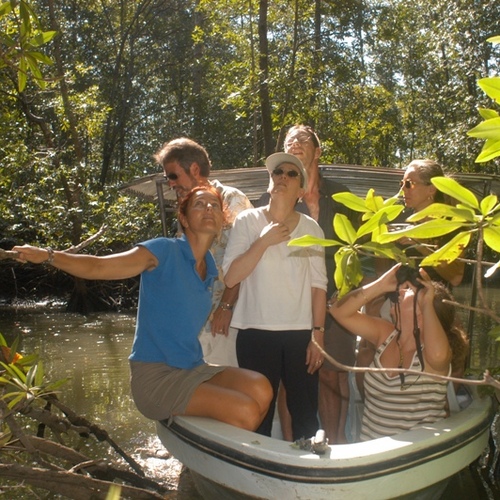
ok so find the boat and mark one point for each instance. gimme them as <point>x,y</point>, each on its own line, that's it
<point>226,462</point>
<point>230,463</point>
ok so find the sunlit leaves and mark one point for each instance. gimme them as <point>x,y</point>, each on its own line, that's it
<point>489,204</point>
<point>348,272</point>
<point>489,129</point>
<point>352,201</point>
<point>454,189</point>
<point>22,35</point>
<point>344,229</point>
<point>449,252</point>
<point>428,229</point>
<point>491,237</point>
<point>307,241</point>
<point>442,210</point>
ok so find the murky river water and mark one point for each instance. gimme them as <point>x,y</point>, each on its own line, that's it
<point>92,351</point>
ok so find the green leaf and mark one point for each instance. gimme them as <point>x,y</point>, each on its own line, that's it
<point>488,129</point>
<point>344,229</point>
<point>350,200</point>
<point>492,237</point>
<point>42,38</point>
<point>114,492</point>
<point>488,203</point>
<point>383,216</point>
<point>21,75</point>
<point>452,188</point>
<point>39,374</point>
<point>347,271</point>
<point>391,252</point>
<point>487,114</point>
<point>14,371</point>
<point>6,8</point>
<point>448,252</point>
<point>373,203</point>
<point>40,57</point>
<point>13,402</point>
<point>494,39</point>
<point>437,210</point>
<point>307,241</point>
<point>426,230</point>
<point>491,86</point>
<point>491,149</point>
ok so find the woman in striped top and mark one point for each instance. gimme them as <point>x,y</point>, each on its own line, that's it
<point>423,336</point>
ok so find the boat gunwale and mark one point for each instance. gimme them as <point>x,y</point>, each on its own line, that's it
<point>317,471</point>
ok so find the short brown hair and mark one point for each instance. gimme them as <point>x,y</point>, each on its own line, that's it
<point>185,152</point>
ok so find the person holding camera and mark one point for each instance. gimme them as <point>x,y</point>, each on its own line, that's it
<point>422,336</point>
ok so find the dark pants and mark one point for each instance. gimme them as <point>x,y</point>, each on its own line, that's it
<point>282,356</point>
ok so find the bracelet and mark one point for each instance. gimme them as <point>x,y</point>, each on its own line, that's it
<point>225,306</point>
<point>320,328</point>
<point>50,258</point>
<point>329,305</point>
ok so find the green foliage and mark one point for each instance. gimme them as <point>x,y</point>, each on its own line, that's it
<point>22,37</point>
<point>489,129</point>
<point>22,378</point>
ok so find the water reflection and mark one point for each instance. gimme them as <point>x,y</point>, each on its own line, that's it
<point>93,353</point>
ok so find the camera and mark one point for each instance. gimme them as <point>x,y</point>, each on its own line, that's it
<point>407,273</point>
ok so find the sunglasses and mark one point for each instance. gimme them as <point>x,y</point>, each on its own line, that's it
<point>410,184</point>
<point>171,177</point>
<point>290,173</point>
<point>301,139</point>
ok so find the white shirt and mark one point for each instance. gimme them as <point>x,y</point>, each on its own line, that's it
<point>277,295</point>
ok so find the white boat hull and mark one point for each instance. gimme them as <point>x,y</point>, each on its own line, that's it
<point>228,462</point>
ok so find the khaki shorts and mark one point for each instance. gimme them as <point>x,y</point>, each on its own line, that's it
<point>161,391</point>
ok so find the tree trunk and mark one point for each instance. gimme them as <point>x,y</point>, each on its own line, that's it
<point>265,104</point>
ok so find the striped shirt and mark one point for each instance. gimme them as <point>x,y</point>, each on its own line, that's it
<point>391,408</point>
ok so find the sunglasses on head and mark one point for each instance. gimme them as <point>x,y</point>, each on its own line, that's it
<point>171,177</point>
<point>290,173</point>
<point>410,184</point>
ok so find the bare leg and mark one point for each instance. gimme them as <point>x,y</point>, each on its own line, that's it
<point>284,414</point>
<point>333,404</point>
<point>236,396</point>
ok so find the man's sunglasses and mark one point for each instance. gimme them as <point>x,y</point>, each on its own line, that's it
<point>290,173</point>
<point>410,184</point>
<point>171,177</point>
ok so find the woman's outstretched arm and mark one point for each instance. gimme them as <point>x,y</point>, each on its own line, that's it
<point>111,267</point>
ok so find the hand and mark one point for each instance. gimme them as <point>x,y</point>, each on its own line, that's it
<point>28,253</point>
<point>220,321</point>
<point>314,357</point>
<point>275,233</point>
<point>425,294</point>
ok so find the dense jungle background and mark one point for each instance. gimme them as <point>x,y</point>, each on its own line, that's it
<point>91,89</point>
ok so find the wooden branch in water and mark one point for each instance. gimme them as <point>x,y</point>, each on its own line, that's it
<point>71,485</point>
<point>486,380</point>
